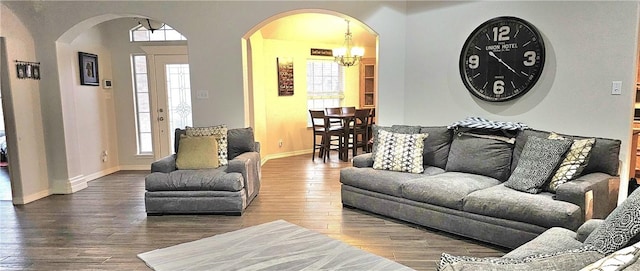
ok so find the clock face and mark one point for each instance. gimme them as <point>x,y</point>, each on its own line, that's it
<point>502,59</point>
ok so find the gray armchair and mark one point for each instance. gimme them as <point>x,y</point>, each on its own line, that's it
<point>224,190</point>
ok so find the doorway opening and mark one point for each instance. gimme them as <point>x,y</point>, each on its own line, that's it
<point>294,36</point>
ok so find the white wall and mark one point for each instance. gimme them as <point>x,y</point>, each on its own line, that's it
<point>94,107</point>
<point>23,121</point>
<point>588,45</point>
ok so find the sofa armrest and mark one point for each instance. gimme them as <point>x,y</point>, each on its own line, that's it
<point>363,160</point>
<point>248,164</point>
<point>166,164</point>
<point>595,193</point>
<point>587,228</point>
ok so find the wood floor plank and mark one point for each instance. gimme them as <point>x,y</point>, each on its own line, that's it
<point>104,226</point>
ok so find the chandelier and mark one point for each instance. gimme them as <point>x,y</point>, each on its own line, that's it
<point>151,25</point>
<point>347,55</point>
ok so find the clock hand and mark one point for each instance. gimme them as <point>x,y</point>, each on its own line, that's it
<point>500,60</point>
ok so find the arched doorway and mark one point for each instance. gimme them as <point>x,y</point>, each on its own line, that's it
<point>281,121</point>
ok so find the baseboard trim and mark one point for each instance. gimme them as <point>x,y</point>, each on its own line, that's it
<point>135,167</point>
<point>31,198</point>
<point>77,183</point>
<point>284,154</point>
<point>101,174</point>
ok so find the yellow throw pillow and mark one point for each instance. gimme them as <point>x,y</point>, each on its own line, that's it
<point>197,152</point>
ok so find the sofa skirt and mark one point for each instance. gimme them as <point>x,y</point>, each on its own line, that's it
<point>195,202</point>
<point>501,232</point>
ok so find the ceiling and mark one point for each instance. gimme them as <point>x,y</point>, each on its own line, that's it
<point>317,27</point>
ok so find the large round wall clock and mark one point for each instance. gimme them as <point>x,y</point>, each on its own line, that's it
<point>502,59</point>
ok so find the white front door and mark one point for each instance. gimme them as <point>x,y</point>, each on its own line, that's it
<point>173,100</point>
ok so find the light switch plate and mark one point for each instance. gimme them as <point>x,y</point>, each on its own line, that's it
<point>616,87</point>
<point>202,94</point>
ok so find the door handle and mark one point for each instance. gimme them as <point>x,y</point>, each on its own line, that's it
<point>160,118</point>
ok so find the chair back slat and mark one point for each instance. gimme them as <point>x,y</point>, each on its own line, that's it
<point>361,117</point>
<point>333,110</point>
<point>348,110</point>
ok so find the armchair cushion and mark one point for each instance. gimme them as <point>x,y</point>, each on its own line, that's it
<point>195,180</point>
<point>219,132</point>
<point>240,140</point>
<point>197,152</point>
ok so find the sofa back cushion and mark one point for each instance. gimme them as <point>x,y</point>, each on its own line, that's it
<point>604,156</point>
<point>480,155</point>
<point>436,146</point>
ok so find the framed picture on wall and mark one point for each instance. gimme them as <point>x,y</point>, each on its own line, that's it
<point>88,69</point>
<point>21,70</point>
<point>285,76</point>
<point>36,72</point>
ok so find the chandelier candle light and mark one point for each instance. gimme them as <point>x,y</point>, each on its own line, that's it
<point>348,55</point>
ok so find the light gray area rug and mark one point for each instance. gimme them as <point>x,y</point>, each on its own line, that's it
<point>277,245</point>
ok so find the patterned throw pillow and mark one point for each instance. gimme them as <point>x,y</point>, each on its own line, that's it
<point>538,161</point>
<point>616,261</point>
<point>399,152</point>
<point>219,132</point>
<point>197,152</point>
<point>562,260</point>
<point>619,227</point>
<point>401,129</point>
<point>574,161</point>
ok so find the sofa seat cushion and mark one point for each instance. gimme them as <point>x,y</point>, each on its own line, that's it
<point>447,189</point>
<point>382,181</point>
<point>538,209</point>
<point>195,180</point>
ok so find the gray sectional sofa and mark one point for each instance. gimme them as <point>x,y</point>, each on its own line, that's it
<point>609,244</point>
<point>462,189</point>
<point>224,190</point>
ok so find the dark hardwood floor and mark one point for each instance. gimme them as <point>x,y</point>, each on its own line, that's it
<point>104,226</point>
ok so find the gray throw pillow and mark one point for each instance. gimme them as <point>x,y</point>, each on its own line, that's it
<point>538,161</point>
<point>436,146</point>
<point>622,225</point>
<point>480,155</point>
<point>240,140</point>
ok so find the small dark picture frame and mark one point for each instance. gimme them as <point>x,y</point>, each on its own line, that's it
<point>21,70</point>
<point>36,72</point>
<point>88,69</point>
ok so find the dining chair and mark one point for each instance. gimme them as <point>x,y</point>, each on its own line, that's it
<point>334,111</point>
<point>372,121</point>
<point>330,137</point>
<point>348,110</point>
<point>359,131</point>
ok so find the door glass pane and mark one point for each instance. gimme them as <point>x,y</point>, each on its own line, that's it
<point>178,98</point>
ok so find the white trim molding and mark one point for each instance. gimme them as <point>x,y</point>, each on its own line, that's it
<point>29,198</point>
